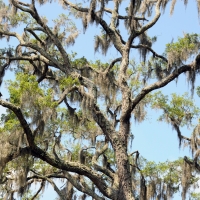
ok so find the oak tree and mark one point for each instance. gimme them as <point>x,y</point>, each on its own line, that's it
<point>68,118</point>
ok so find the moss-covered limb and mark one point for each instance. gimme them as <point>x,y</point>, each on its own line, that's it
<point>66,92</point>
<point>29,58</point>
<point>73,179</point>
<point>113,34</point>
<point>45,178</point>
<point>111,65</point>
<point>151,50</point>
<point>154,20</point>
<point>78,8</point>
<point>108,10</point>
<point>13,34</point>
<point>54,62</point>
<point>30,30</point>
<point>160,84</point>
<point>83,187</point>
<point>134,34</point>
<point>39,153</point>
<point>104,123</point>
<point>99,168</point>
<point>22,120</point>
<point>83,80</point>
<point>33,11</point>
<point>113,23</point>
<point>72,167</point>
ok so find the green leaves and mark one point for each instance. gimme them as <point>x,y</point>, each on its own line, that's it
<point>179,108</point>
<point>167,171</point>
<point>68,82</point>
<point>23,84</point>
<point>188,42</point>
<point>182,49</point>
<point>26,89</point>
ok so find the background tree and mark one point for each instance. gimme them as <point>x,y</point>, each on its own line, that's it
<point>58,100</point>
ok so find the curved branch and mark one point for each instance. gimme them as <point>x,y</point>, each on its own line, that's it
<point>113,34</point>
<point>30,30</point>
<point>125,17</point>
<point>67,91</point>
<point>176,126</point>
<point>192,163</point>
<point>160,84</point>
<point>151,50</point>
<point>83,187</point>
<point>21,119</point>
<point>155,19</point>
<point>39,153</point>
<point>39,190</point>
<point>72,167</point>
<point>112,64</point>
<point>62,196</point>
<point>99,168</point>
<point>146,27</point>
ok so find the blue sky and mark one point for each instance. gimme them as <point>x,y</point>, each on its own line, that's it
<point>154,140</point>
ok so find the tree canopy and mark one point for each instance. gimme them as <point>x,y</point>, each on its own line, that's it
<point>68,119</point>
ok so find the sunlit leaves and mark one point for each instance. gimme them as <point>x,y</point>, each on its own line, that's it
<point>26,86</point>
<point>19,17</point>
<point>168,171</point>
<point>68,82</point>
<point>177,108</point>
<point>183,49</point>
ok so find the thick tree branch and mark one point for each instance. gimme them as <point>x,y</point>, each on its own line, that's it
<point>21,119</point>
<point>29,58</point>
<point>72,167</point>
<point>67,91</point>
<point>74,180</point>
<point>160,84</point>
